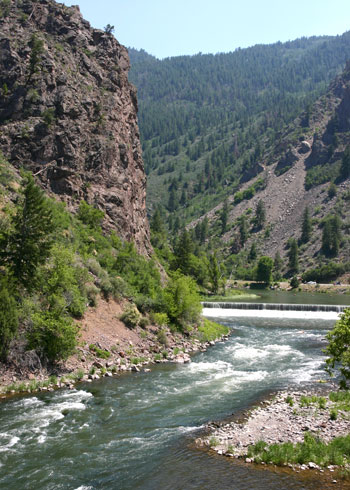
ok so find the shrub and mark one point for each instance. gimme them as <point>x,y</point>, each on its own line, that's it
<point>183,301</point>
<point>53,337</point>
<point>161,337</point>
<point>160,319</point>
<point>131,316</point>
<point>103,354</point>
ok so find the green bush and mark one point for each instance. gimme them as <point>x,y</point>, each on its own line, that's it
<point>103,354</point>
<point>160,319</point>
<point>183,301</point>
<point>53,337</point>
<point>131,316</point>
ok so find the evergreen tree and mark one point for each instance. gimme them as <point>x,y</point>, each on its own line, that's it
<point>331,236</point>
<point>345,164</point>
<point>8,319</point>
<point>243,230</point>
<point>252,252</point>
<point>214,273</point>
<point>204,229</point>
<point>224,217</point>
<point>306,227</point>
<point>260,215</point>
<point>28,245</point>
<point>293,255</point>
<point>277,266</point>
<point>183,251</point>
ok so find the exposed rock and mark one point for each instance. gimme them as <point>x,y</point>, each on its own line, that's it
<point>305,147</point>
<point>70,115</point>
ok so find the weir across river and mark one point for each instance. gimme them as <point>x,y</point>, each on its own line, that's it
<point>275,306</point>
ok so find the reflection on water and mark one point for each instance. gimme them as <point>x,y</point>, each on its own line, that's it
<point>133,432</point>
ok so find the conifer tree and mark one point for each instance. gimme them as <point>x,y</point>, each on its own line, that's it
<point>345,164</point>
<point>293,255</point>
<point>28,245</point>
<point>224,217</point>
<point>260,215</point>
<point>306,227</point>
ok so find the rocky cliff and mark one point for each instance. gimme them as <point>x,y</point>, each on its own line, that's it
<point>69,114</point>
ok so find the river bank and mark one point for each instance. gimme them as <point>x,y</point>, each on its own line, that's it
<point>108,348</point>
<point>279,430</point>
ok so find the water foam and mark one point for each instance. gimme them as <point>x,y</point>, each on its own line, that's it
<point>278,314</point>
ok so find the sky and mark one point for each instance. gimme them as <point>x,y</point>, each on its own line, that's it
<point>183,27</point>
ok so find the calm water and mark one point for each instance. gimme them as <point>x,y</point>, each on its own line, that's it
<point>135,432</point>
<point>297,297</point>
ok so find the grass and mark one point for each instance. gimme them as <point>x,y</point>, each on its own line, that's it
<point>211,331</point>
<point>102,354</point>
<point>336,452</point>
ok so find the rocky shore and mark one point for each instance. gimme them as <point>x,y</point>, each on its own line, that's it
<point>101,359</point>
<point>287,417</point>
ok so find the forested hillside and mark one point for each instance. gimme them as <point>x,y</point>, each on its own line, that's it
<point>249,151</point>
<point>204,119</point>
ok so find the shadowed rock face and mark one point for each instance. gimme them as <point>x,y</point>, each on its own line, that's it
<point>69,114</point>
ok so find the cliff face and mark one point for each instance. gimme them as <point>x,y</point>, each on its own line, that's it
<point>69,114</point>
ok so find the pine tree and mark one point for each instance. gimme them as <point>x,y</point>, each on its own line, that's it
<point>293,255</point>
<point>260,215</point>
<point>243,230</point>
<point>224,217</point>
<point>29,244</point>
<point>306,227</point>
<point>277,266</point>
<point>214,273</point>
<point>8,319</point>
<point>345,164</point>
<point>252,252</point>
<point>331,236</point>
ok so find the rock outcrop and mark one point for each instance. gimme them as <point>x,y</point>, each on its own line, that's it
<point>69,114</point>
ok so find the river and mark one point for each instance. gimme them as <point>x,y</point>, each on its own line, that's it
<point>136,431</point>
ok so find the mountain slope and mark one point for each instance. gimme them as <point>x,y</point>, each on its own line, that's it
<point>204,119</point>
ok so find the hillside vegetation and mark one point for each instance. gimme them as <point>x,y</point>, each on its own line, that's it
<point>239,146</point>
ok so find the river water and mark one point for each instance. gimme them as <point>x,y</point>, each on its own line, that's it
<point>136,431</point>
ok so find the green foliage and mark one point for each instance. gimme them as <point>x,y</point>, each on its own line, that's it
<point>131,316</point>
<point>293,255</point>
<point>336,452</point>
<point>331,235</point>
<point>211,331</point>
<point>89,215</point>
<point>109,29</point>
<point>53,336</point>
<point>326,272</point>
<point>160,319</point>
<point>182,301</point>
<point>162,337</point>
<point>214,273</point>
<point>306,226</point>
<point>101,353</point>
<point>337,350</point>
<point>260,214</point>
<point>294,283</point>
<point>345,164</point>
<point>37,48</point>
<point>332,190</point>
<point>27,242</point>
<point>8,319</point>
<point>264,270</point>
<point>48,116</point>
<point>319,174</point>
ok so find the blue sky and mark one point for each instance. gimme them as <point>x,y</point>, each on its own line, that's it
<point>171,28</point>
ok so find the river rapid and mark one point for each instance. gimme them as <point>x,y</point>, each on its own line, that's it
<point>137,431</point>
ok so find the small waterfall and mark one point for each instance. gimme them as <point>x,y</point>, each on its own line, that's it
<point>276,307</point>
